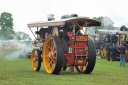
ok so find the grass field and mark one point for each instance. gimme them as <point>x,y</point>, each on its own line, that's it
<point>19,72</point>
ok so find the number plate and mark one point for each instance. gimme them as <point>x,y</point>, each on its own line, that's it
<point>80,50</point>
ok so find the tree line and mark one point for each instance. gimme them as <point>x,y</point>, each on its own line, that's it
<point>106,23</point>
<point>6,28</point>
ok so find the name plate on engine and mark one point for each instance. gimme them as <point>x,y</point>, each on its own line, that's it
<point>81,38</point>
<point>79,50</point>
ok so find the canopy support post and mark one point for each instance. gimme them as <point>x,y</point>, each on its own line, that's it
<point>37,31</point>
<point>86,28</point>
<point>32,33</point>
<point>74,28</point>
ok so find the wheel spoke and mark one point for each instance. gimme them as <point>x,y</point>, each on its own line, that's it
<point>52,67</point>
<point>86,63</point>
<point>49,63</point>
<point>35,63</point>
<point>54,57</point>
<point>48,46</point>
<point>54,60</point>
<point>81,67</point>
<point>52,42</point>
<point>53,46</point>
<point>54,52</point>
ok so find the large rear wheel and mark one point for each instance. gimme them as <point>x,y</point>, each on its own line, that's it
<point>36,59</point>
<point>90,59</point>
<point>53,55</point>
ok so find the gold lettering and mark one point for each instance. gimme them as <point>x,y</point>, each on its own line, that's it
<point>81,37</point>
<point>80,61</point>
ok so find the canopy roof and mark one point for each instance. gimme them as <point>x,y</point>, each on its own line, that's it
<point>104,31</point>
<point>70,21</point>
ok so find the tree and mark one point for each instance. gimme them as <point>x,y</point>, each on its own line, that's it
<point>7,34</point>
<point>106,23</point>
<point>6,21</point>
<point>22,36</point>
<point>10,34</point>
<point>6,28</point>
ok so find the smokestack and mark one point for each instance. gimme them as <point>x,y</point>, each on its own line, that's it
<point>123,28</point>
<point>50,17</point>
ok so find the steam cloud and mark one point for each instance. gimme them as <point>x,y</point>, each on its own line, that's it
<point>106,21</point>
<point>20,47</point>
<point>20,53</point>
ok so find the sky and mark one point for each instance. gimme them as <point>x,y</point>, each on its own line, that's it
<point>26,11</point>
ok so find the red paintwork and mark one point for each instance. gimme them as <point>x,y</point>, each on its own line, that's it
<point>81,28</point>
<point>96,45</point>
<point>81,38</point>
<point>80,45</point>
<point>126,59</point>
<point>79,62</point>
<point>71,68</point>
<point>93,35</point>
<point>69,58</point>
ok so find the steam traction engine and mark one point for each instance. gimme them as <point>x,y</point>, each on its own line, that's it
<point>65,45</point>
<point>105,37</point>
<point>123,36</point>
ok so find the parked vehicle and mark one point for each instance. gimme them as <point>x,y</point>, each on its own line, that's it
<point>64,45</point>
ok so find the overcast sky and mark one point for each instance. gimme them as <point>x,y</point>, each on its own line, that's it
<point>26,11</point>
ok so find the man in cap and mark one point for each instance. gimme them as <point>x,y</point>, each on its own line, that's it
<point>113,52</point>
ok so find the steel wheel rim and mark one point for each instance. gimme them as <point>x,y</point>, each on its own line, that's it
<point>34,60</point>
<point>49,55</point>
<point>101,53</point>
<point>104,51</point>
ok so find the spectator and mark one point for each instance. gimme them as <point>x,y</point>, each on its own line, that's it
<point>40,42</point>
<point>113,52</point>
<point>108,51</point>
<point>123,51</point>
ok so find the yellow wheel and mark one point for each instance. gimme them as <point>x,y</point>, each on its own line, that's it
<point>101,53</point>
<point>90,59</point>
<point>104,52</point>
<point>53,55</point>
<point>36,59</point>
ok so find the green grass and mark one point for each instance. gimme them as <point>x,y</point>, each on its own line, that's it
<point>19,72</point>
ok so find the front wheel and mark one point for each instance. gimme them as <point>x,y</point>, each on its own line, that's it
<point>36,59</point>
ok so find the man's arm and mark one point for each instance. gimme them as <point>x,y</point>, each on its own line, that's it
<point>125,51</point>
<point>119,49</point>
